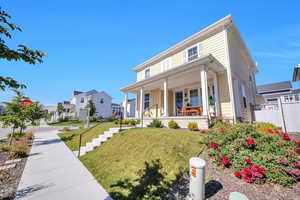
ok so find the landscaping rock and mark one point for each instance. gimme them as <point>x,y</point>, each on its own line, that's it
<point>237,196</point>
<point>8,166</point>
<point>12,161</point>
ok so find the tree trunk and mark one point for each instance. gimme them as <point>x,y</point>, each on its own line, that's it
<point>11,135</point>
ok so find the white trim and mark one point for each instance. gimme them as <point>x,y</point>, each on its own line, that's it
<point>229,75</point>
<point>166,64</point>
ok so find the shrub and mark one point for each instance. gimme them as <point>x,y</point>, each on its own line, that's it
<point>92,119</point>
<point>18,150</point>
<point>132,122</point>
<point>29,135</point>
<point>4,148</point>
<point>216,121</point>
<point>156,123</point>
<point>3,175</point>
<point>193,126</point>
<point>116,121</point>
<point>65,129</point>
<point>173,124</point>
<point>255,153</point>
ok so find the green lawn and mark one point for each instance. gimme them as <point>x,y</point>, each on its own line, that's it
<point>69,123</point>
<point>71,138</point>
<point>126,153</point>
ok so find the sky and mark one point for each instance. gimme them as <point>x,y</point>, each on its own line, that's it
<point>94,44</point>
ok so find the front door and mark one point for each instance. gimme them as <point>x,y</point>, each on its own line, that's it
<point>178,101</point>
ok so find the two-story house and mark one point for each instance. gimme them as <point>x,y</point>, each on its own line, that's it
<point>210,73</point>
<point>101,100</point>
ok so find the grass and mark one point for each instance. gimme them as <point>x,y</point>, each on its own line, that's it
<point>68,123</point>
<point>126,153</point>
<point>71,138</point>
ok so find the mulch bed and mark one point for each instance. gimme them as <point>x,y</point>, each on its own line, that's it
<point>221,182</point>
<point>8,187</point>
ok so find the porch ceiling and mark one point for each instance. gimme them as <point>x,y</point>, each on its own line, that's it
<point>186,74</point>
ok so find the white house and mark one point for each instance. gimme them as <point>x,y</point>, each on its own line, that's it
<point>101,100</point>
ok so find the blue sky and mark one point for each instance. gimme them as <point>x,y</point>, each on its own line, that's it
<point>94,44</point>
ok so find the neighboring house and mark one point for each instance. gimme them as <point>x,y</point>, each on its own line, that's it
<point>209,73</point>
<point>51,110</point>
<point>296,74</point>
<point>269,93</point>
<point>69,110</point>
<point>2,108</point>
<point>117,110</point>
<point>130,107</point>
<point>101,100</point>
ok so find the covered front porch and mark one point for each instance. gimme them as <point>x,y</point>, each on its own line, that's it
<point>186,93</point>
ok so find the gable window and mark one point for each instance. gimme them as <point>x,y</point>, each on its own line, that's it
<point>101,100</point>
<point>192,53</point>
<point>146,101</point>
<point>166,65</point>
<point>147,73</point>
<point>244,92</point>
<point>82,100</point>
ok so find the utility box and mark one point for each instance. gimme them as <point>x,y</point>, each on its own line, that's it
<point>197,179</point>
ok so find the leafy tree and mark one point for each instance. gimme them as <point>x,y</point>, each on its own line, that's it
<point>22,53</point>
<point>92,107</point>
<point>60,109</point>
<point>35,112</point>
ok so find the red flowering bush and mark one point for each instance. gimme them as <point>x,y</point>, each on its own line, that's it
<point>250,142</point>
<point>256,153</point>
<point>213,145</point>
<point>286,136</point>
<point>226,162</point>
<point>298,143</point>
<point>202,132</point>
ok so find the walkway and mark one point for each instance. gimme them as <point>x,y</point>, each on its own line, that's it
<point>53,172</point>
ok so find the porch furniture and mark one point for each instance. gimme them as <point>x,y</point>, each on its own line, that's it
<point>192,110</point>
<point>180,111</point>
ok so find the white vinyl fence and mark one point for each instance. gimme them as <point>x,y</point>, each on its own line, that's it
<point>285,114</point>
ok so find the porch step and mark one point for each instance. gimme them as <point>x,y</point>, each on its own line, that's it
<point>96,142</point>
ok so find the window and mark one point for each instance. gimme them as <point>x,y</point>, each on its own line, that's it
<point>244,92</point>
<point>194,97</point>
<point>192,53</point>
<point>147,73</point>
<point>101,101</point>
<point>147,101</point>
<point>82,100</point>
<point>166,65</point>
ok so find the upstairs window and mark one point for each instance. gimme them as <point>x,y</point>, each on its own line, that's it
<point>192,53</point>
<point>82,100</point>
<point>147,73</point>
<point>147,101</point>
<point>101,100</point>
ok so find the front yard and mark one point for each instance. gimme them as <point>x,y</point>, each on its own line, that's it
<point>161,154</point>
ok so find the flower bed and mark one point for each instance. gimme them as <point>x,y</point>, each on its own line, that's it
<point>256,153</point>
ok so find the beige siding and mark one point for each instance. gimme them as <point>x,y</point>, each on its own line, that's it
<point>225,104</point>
<point>214,45</point>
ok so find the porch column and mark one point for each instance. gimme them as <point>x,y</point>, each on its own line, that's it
<point>141,102</point>
<point>216,88</point>
<point>136,106</point>
<point>125,105</point>
<point>166,111</point>
<point>204,89</point>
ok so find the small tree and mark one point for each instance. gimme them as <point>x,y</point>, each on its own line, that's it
<point>35,112</point>
<point>60,109</point>
<point>92,108</point>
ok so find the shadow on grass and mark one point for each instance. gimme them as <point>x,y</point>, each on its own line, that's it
<point>67,138</point>
<point>152,184</point>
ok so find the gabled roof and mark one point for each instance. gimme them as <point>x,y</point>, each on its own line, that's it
<point>206,32</point>
<point>274,87</point>
<point>91,92</point>
<point>76,92</point>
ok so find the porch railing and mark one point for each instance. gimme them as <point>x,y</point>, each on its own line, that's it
<point>148,109</point>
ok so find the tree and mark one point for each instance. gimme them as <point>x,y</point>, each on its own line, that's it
<point>22,53</point>
<point>35,112</point>
<point>60,109</point>
<point>92,107</point>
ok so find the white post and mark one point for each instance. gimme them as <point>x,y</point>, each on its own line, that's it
<point>203,75</point>
<point>216,89</point>
<point>197,179</point>
<point>125,105</point>
<point>135,106</point>
<point>166,112</point>
<point>141,102</point>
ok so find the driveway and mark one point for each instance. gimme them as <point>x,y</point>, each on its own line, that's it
<point>53,172</point>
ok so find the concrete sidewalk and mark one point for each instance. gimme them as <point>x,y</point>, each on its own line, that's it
<point>53,172</point>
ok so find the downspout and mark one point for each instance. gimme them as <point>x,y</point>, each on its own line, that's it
<point>229,72</point>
